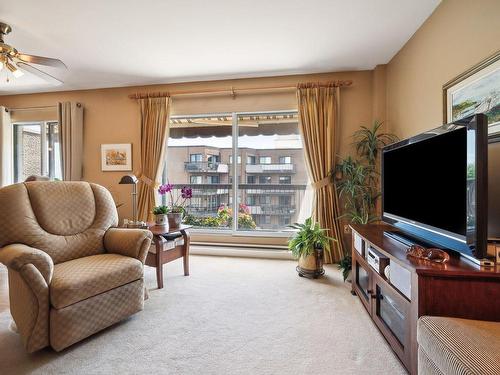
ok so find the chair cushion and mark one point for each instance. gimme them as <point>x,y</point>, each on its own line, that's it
<point>81,278</point>
<point>459,346</point>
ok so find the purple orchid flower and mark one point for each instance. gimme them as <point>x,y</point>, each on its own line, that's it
<point>186,192</point>
<point>165,188</point>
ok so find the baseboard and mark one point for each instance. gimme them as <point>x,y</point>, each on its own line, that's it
<point>242,252</point>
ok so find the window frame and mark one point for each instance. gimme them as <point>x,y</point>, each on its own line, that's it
<point>288,177</point>
<point>265,157</point>
<point>196,161</point>
<point>285,157</point>
<point>233,197</point>
<point>47,152</point>
<point>197,176</point>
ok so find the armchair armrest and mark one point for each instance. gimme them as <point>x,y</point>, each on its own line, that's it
<point>133,243</point>
<point>16,256</point>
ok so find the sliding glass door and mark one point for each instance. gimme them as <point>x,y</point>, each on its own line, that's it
<point>273,178</point>
<point>247,170</point>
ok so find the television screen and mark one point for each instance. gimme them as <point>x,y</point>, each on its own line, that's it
<point>426,183</point>
<point>494,190</point>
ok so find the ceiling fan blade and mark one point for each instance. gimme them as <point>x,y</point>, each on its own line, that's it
<point>40,60</point>
<point>45,76</point>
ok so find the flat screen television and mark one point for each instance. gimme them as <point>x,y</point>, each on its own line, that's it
<point>494,188</point>
<point>434,186</point>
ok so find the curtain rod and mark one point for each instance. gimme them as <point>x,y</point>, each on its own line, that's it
<point>232,90</point>
<point>33,108</point>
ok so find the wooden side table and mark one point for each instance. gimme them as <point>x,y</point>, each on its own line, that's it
<point>163,254</point>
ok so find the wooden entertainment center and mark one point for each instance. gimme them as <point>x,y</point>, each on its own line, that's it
<point>417,287</point>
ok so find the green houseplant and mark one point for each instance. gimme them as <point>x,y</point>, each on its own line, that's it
<point>308,246</point>
<point>357,180</point>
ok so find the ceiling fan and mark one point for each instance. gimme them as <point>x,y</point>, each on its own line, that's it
<point>17,62</point>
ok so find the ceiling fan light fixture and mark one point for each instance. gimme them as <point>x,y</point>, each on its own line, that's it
<point>14,70</point>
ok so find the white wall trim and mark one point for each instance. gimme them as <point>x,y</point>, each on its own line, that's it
<point>232,251</point>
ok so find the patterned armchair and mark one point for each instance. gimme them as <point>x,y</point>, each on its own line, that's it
<point>70,273</point>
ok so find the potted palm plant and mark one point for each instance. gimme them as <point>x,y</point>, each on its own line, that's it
<point>357,180</point>
<point>308,246</point>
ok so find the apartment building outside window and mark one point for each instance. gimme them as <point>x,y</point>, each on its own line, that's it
<point>270,165</point>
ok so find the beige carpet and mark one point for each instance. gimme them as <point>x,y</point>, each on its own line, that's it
<point>231,316</point>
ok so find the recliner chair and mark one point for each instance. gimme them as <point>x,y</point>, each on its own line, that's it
<point>71,273</point>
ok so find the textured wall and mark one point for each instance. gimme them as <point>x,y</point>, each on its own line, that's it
<point>458,35</point>
<point>111,117</point>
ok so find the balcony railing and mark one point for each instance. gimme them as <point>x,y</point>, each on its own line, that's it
<point>203,210</point>
<point>272,209</point>
<point>270,168</point>
<point>206,167</point>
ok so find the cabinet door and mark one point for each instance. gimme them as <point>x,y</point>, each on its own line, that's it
<point>391,313</point>
<point>362,280</point>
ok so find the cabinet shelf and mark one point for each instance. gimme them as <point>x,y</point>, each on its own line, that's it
<point>434,289</point>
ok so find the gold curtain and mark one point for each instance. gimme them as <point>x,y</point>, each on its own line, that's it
<point>318,119</point>
<point>70,117</point>
<point>154,134</point>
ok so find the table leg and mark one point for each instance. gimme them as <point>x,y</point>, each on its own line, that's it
<point>185,258</point>
<point>159,265</point>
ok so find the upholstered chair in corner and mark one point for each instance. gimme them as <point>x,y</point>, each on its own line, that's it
<point>71,273</point>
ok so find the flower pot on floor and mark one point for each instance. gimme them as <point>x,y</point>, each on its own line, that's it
<point>174,219</point>
<point>311,265</point>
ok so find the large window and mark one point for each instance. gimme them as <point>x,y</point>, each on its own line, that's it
<point>267,193</point>
<point>36,150</point>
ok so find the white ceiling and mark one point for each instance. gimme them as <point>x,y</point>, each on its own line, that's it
<point>109,43</point>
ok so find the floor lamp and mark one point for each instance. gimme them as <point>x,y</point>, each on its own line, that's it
<point>130,179</point>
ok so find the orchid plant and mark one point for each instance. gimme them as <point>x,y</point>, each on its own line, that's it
<point>177,205</point>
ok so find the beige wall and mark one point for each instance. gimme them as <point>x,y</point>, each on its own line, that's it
<point>458,35</point>
<point>111,117</point>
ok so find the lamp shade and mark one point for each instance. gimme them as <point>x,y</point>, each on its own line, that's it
<point>128,179</point>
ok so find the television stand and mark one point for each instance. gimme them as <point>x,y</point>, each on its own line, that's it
<point>417,287</point>
<point>403,238</point>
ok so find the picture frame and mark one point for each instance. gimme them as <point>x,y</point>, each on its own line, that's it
<point>475,90</point>
<point>116,157</point>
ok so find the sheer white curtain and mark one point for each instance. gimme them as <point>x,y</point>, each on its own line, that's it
<point>6,153</point>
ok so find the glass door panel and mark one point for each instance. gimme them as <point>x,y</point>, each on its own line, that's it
<point>272,174</point>
<point>198,156</point>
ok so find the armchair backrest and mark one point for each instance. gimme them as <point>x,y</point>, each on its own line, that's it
<point>67,220</point>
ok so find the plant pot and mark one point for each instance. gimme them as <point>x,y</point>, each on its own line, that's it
<point>161,219</point>
<point>174,219</point>
<point>349,277</point>
<point>311,265</point>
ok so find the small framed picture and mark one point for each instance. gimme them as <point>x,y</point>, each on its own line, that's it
<point>477,90</point>
<point>116,157</point>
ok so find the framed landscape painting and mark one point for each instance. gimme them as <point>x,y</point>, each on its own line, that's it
<point>116,157</point>
<point>475,91</point>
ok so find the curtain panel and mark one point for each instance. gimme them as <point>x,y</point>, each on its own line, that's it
<point>318,120</point>
<point>70,116</point>
<point>6,152</point>
<point>155,114</point>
